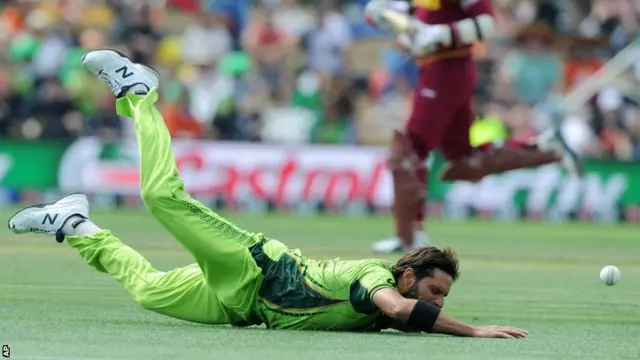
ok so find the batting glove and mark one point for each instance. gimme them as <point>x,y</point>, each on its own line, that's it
<point>374,9</point>
<point>424,39</point>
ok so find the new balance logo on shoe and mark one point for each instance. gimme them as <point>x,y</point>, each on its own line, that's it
<point>124,72</point>
<point>48,217</point>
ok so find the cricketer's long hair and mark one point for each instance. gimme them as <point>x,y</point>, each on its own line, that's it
<point>424,261</point>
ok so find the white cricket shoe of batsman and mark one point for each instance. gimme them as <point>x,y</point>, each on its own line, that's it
<point>553,140</point>
<point>122,74</point>
<point>393,244</point>
<point>48,219</point>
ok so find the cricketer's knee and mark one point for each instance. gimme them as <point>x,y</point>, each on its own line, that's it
<point>156,198</point>
<point>156,299</point>
<point>160,193</point>
<point>403,162</point>
<point>160,291</point>
<point>145,298</point>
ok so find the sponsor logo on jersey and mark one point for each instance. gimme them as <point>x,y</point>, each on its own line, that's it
<point>428,4</point>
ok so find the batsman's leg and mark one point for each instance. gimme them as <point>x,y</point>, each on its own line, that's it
<point>409,191</point>
<point>219,247</point>
<point>180,293</point>
<point>473,164</point>
<point>431,113</point>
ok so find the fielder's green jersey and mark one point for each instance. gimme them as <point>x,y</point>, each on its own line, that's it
<point>240,278</point>
<point>301,293</point>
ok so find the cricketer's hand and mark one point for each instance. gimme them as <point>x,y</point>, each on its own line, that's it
<point>423,39</point>
<point>504,332</point>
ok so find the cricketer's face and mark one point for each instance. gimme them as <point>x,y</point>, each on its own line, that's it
<point>432,289</point>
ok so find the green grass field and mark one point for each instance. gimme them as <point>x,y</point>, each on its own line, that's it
<point>543,278</point>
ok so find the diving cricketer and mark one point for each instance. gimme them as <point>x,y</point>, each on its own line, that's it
<point>440,35</point>
<point>242,278</point>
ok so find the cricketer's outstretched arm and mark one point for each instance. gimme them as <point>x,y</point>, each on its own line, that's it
<point>426,317</point>
<point>398,307</point>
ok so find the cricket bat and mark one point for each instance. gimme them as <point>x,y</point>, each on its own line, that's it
<point>615,67</point>
<point>399,22</point>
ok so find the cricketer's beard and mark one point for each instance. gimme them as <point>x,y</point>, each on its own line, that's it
<point>412,291</point>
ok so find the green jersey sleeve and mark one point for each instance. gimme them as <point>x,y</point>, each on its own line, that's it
<point>373,276</point>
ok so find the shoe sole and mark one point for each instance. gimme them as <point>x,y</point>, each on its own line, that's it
<point>399,250</point>
<point>81,197</point>
<point>147,68</point>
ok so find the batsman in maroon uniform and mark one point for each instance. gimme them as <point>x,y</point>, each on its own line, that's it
<point>440,38</point>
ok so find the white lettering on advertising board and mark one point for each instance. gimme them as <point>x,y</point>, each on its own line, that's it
<point>238,171</point>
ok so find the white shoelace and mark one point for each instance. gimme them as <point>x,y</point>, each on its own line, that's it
<point>113,83</point>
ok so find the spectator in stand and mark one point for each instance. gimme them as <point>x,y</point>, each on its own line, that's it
<point>137,30</point>
<point>105,123</point>
<point>179,122</point>
<point>386,113</point>
<point>268,46</point>
<point>533,70</point>
<point>10,101</point>
<point>191,6</point>
<point>40,43</point>
<point>326,45</point>
<point>207,40</point>
<point>237,13</point>
<point>633,128</point>
<point>336,126</point>
<point>51,104</point>
<point>293,19</point>
<point>614,138</point>
<point>518,119</point>
<point>307,93</point>
<point>52,46</point>
<point>210,93</point>
<point>616,19</point>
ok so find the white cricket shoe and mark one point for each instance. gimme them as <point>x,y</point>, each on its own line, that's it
<point>48,219</point>
<point>393,244</point>
<point>122,74</point>
<point>552,140</point>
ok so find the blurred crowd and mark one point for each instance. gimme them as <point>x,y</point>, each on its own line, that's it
<point>291,71</point>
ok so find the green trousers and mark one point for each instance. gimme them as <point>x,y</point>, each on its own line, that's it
<point>222,287</point>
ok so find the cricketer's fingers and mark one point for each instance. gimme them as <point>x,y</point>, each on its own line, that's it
<point>515,332</point>
<point>504,335</point>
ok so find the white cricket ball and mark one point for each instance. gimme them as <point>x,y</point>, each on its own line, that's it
<point>610,275</point>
